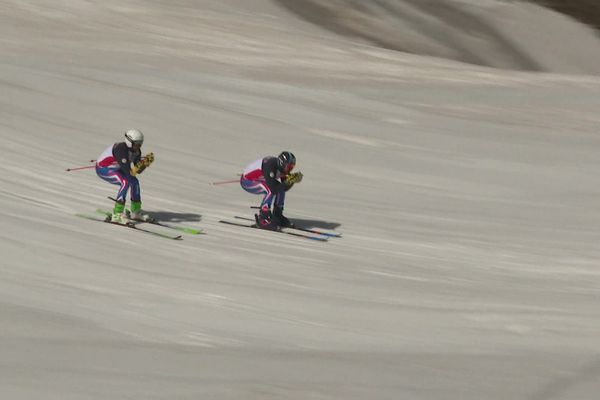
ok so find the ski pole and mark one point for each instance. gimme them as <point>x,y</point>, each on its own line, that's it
<point>78,168</point>
<point>224,182</point>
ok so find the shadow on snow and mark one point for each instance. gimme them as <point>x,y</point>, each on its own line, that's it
<point>167,216</point>
<point>314,223</point>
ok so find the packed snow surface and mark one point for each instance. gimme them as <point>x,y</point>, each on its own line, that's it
<point>463,177</point>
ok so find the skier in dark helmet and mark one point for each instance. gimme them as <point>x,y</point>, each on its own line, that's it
<point>271,177</point>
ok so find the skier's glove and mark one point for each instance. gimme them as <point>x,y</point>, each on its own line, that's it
<point>149,159</point>
<point>293,178</point>
<point>141,165</point>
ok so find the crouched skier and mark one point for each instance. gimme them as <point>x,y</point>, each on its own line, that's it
<point>119,165</point>
<point>271,177</point>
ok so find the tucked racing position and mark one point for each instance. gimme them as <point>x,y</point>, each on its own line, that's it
<point>272,177</point>
<point>120,164</point>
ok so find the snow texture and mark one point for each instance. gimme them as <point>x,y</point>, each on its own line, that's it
<point>468,197</point>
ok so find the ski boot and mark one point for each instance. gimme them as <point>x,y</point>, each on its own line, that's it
<point>118,215</point>
<point>136,213</point>
<point>281,219</point>
<point>264,219</point>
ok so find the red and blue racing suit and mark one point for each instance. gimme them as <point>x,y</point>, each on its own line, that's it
<point>114,166</point>
<point>263,177</point>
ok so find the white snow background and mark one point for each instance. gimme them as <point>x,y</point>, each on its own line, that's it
<point>468,198</point>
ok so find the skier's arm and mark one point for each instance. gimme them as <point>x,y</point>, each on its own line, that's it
<point>121,154</point>
<point>141,165</point>
<point>269,169</point>
<point>290,179</point>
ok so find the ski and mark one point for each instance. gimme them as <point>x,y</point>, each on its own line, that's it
<point>184,229</point>
<point>315,231</point>
<point>131,226</point>
<point>287,232</point>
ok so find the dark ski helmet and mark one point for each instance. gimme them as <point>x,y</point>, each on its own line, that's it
<point>286,161</point>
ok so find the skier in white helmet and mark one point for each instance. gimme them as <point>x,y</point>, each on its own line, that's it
<point>120,164</point>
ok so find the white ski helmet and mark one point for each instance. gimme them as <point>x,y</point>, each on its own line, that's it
<point>134,136</point>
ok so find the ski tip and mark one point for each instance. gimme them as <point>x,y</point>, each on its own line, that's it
<point>189,231</point>
<point>317,238</point>
<point>331,234</point>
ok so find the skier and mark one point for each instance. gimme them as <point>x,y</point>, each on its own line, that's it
<point>272,177</point>
<point>120,164</point>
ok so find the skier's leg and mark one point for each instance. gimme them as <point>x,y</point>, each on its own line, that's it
<point>136,194</point>
<point>136,199</point>
<point>280,200</point>
<point>278,211</point>
<point>263,218</point>
<point>136,202</point>
<point>115,177</point>
<point>254,186</point>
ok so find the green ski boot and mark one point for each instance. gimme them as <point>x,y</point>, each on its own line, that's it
<point>137,214</point>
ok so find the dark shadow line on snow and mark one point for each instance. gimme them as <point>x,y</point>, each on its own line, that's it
<point>314,223</point>
<point>168,216</point>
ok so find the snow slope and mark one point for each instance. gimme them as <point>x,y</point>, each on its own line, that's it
<point>502,34</point>
<point>467,196</point>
